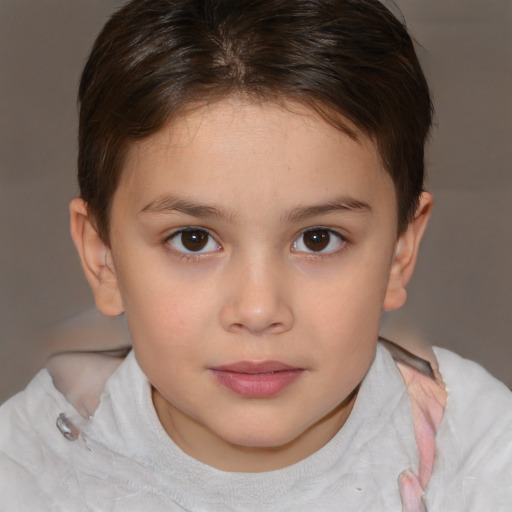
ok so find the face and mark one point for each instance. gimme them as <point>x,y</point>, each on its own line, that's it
<point>252,247</point>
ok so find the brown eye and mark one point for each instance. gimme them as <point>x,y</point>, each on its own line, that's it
<point>316,240</point>
<point>319,240</point>
<point>193,240</point>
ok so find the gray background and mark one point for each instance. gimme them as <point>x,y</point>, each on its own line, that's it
<point>461,295</point>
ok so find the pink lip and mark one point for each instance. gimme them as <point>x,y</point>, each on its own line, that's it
<point>256,380</point>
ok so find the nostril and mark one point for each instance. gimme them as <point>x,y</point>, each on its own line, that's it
<point>239,317</point>
<point>272,328</point>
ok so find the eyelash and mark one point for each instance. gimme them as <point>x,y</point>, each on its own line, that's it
<point>190,255</point>
<point>332,234</point>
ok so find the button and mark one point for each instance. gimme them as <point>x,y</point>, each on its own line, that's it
<point>66,427</point>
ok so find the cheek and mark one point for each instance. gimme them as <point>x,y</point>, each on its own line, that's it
<point>352,293</point>
<point>164,309</point>
<point>168,333</point>
<point>345,313</point>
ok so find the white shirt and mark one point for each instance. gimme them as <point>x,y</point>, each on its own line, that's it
<point>124,460</point>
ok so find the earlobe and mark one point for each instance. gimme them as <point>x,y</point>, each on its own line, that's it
<point>406,254</point>
<point>96,259</point>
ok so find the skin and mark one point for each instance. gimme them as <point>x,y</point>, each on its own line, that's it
<point>254,177</point>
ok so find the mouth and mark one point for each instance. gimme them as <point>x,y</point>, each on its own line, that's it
<point>256,380</point>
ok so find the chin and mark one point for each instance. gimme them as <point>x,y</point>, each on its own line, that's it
<point>262,438</point>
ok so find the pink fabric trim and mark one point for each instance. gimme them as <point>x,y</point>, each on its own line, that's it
<point>428,401</point>
<point>411,492</point>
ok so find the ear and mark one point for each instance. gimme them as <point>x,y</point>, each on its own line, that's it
<point>96,258</point>
<point>406,254</point>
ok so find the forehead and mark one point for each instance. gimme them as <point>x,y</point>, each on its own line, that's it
<point>238,152</point>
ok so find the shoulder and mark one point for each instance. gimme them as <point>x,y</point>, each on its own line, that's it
<point>23,447</point>
<point>478,413</point>
<point>35,456</point>
<point>18,414</point>
<point>473,392</point>
<point>473,470</point>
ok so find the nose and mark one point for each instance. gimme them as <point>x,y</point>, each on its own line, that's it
<point>257,302</point>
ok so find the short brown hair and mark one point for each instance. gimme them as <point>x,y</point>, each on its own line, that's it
<point>346,59</point>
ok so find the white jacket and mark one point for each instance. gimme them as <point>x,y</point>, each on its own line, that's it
<point>122,459</point>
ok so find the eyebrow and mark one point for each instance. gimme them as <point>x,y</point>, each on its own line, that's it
<point>172,204</point>
<point>342,204</point>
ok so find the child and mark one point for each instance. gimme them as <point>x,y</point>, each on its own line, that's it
<point>251,198</point>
